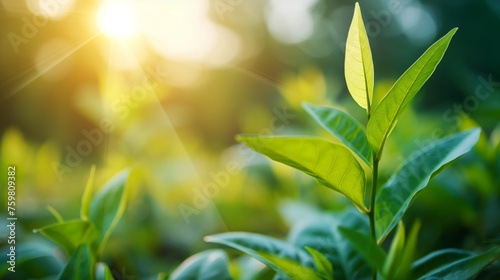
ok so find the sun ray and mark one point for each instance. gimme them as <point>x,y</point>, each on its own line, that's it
<point>50,62</point>
<point>177,142</point>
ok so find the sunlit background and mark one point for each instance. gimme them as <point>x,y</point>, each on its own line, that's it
<point>169,83</point>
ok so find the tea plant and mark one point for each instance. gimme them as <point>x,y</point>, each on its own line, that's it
<point>349,245</point>
<point>84,239</point>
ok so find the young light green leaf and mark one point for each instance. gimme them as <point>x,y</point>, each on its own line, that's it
<point>386,113</point>
<point>359,73</point>
<point>344,127</point>
<point>278,255</point>
<point>87,195</point>
<point>80,266</point>
<point>102,272</point>
<point>332,165</point>
<point>394,257</point>
<point>108,206</point>
<point>404,270</point>
<point>207,265</point>
<point>323,265</point>
<point>397,194</point>
<point>366,247</point>
<point>70,234</point>
<point>463,268</point>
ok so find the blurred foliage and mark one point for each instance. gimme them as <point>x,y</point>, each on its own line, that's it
<point>181,135</point>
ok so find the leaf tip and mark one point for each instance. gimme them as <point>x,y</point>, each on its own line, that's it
<point>306,105</point>
<point>208,238</point>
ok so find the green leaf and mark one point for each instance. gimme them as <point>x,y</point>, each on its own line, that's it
<point>278,255</point>
<point>80,266</point>
<point>102,272</point>
<point>332,165</point>
<point>323,265</point>
<point>108,206</point>
<point>397,194</point>
<point>87,196</point>
<point>365,246</point>
<point>207,265</point>
<point>341,125</point>
<point>56,214</point>
<point>70,234</point>
<point>27,253</point>
<point>358,62</point>
<point>463,268</point>
<point>393,260</point>
<point>404,270</point>
<point>321,233</point>
<point>386,113</point>
<point>438,259</point>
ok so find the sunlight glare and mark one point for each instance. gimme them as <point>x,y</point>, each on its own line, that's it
<point>117,20</point>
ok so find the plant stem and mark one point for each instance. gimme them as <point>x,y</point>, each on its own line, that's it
<point>371,214</point>
<point>372,200</point>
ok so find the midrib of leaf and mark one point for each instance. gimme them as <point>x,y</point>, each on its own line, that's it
<point>359,44</point>
<point>368,101</point>
<point>445,158</point>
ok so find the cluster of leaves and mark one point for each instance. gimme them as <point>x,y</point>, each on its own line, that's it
<point>348,245</point>
<point>84,239</point>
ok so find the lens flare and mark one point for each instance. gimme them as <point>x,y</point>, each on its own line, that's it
<point>117,20</point>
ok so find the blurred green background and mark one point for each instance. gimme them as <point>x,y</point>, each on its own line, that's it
<point>166,88</point>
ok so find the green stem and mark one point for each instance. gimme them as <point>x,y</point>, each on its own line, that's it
<point>371,214</point>
<point>372,200</point>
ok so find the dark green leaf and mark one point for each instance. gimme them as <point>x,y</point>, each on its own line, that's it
<point>364,244</point>
<point>321,233</point>
<point>438,259</point>
<point>463,268</point>
<point>207,265</point>
<point>397,194</point>
<point>282,257</point>
<point>80,266</point>
<point>341,125</point>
